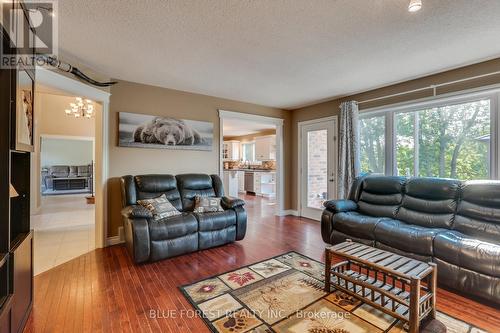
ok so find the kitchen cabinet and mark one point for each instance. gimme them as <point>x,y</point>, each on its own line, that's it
<point>268,184</point>
<point>241,181</point>
<point>231,150</point>
<point>231,183</point>
<point>264,183</point>
<point>256,182</point>
<point>265,148</point>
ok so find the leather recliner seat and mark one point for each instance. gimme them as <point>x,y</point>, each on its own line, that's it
<point>150,240</point>
<point>452,223</point>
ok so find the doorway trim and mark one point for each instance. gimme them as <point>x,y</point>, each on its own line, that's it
<point>300,125</point>
<point>280,169</point>
<point>62,82</point>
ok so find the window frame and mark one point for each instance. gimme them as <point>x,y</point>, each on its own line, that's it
<point>391,111</point>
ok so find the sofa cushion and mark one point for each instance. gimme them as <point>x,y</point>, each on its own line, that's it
<point>429,202</point>
<point>207,204</point>
<point>406,237</point>
<point>381,196</point>
<point>467,281</point>
<point>73,171</point>
<point>216,220</point>
<point>208,239</point>
<point>59,171</point>
<point>83,171</point>
<point>468,252</point>
<point>192,185</point>
<point>166,248</point>
<point>152,186</point>
<point>356,224</point>
<point>159,207</point>
<point>478,212</point>
<point>173,227</point>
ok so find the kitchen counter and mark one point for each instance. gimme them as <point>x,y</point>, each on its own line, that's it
<point>251,170</point>
<point>259,181</point>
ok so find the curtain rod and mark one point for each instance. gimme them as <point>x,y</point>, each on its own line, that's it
<point>432,86</point>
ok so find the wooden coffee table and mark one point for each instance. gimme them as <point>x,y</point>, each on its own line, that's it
<point>387,281</point>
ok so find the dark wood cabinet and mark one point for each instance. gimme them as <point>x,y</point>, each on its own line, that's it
<point>16,238</point>
<point>22,281</point>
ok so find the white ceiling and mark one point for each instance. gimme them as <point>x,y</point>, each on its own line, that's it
<point>237,127</point>
<point>282,53</point>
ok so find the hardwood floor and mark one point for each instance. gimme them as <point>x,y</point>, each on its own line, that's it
<point>103,291</point>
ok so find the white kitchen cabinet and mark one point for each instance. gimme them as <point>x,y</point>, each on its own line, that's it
<point>268,184</point>
<point>231,150</point>
<point>265,183</point>
<point>256,182</point>
<point>231,183</point>
<point>265,148</point>
<point>241,181</point>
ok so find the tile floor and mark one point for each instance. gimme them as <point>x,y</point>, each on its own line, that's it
<point>64,229</point>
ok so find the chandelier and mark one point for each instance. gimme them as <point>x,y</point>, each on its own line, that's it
<point>81,108</point>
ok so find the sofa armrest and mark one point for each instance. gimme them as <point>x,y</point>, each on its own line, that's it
<point>231,203</point>
<point>340,206</point>
<point>136,211</point>
<point>241,222</point>
<point>137,239</point>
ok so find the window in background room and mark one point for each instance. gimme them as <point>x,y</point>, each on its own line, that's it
<point>248,151</point>
<point>437,139</point>
<point>372,144</point>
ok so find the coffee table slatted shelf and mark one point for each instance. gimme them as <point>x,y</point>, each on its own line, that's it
<point>389,282</point>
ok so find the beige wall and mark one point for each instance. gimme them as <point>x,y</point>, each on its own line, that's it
<point>331,108</point>
<point>53,120</point>
<point>138,98</point>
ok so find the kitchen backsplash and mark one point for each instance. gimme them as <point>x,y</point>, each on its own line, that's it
<point>266,165</point>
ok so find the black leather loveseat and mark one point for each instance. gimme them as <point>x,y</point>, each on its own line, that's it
<point>149,240</point>
<point>452,223</point>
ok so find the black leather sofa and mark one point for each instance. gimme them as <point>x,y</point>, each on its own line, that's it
<point>149,240</point>
<point>452,223</point>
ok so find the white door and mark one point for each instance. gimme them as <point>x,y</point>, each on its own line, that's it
<point>318,166</point>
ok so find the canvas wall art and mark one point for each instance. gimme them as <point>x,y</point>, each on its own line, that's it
<point>147,131</point>
<point>24,112</point>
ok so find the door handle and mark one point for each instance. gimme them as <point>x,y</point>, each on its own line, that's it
<point>331,180</point>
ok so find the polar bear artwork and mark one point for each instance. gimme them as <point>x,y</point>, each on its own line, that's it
<point>164,132</point>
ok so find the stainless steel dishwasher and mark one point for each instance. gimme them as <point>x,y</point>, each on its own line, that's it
<point>249,184</point>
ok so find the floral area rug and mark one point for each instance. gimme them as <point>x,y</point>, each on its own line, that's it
<point>285,294</point>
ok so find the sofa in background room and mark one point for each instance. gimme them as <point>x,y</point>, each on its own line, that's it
<point>66,171</point>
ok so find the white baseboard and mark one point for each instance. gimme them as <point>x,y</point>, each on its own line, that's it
<point>288,212</point>
<point>115,240</point>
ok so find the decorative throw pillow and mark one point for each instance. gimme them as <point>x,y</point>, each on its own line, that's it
<point>160,207</point>
<point>207,205</point>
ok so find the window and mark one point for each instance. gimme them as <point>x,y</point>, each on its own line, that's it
<point>372,143</point>
<point>248,151</point>
<point>449,140</point>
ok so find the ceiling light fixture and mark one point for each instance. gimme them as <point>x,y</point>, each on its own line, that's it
<point>415,6</point>
<point>81,109</point>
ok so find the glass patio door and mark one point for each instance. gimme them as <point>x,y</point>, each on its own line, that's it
<point>318,158</point>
